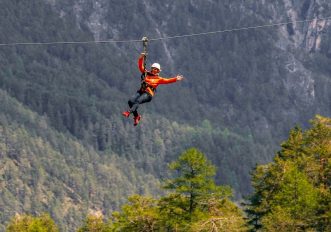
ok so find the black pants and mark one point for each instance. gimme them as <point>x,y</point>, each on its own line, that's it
<point>138,98</point>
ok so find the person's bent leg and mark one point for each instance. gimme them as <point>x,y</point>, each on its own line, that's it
<point>143,98</point>
<point>133,99</point>
<point>131,102</point>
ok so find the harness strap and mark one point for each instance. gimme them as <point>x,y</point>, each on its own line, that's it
<point>144,84</point>
<point>145,41</point>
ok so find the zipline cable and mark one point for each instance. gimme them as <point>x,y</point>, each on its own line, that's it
<point>72,42</point>
<point>240,29</point>
<point>166,37</point>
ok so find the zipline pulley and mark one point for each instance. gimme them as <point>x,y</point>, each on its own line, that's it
<point>145,41</point>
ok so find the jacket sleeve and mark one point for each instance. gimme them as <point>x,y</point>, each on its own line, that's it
<point>141,64</point>
<point>167,80</point>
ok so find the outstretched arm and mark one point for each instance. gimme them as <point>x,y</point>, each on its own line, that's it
<point>141,61</point>
<point>170,80</point>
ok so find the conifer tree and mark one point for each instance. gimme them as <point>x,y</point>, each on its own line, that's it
<point>195,199</point>
<point>27,223</point>
<point>195,179</point>
<point>293,191</point>
<point>95,223</point>
<point>195,202</point>
<point>139,214</point>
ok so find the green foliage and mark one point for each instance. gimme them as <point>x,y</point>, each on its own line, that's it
<point>95,223</point>
<point>293,192</point>
<point>296,194</point>
<point>223,215</point>
<point>194,197</point>
<point>139,214</point>
<point>173,212</point>
<point>279,219</point>
<point>195,202</point>
<point>195,179</point>
<point>27,223</point>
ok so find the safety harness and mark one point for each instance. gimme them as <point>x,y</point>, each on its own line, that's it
<point>144,84</point>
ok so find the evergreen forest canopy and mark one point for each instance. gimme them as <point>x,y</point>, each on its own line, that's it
<point>292,193</point>
<point>66,150</point>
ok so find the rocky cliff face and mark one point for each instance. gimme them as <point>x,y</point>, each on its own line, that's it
<point>307,35</point>
<point>309,38</point>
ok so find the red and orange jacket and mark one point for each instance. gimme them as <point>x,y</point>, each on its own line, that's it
<point>153,81</point>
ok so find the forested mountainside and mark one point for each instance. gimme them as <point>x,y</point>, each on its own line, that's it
<point>292,193</point>
<point>43,170</point>
<point>242,92</point>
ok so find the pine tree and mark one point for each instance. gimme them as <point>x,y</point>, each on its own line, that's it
<point>293,191</point>
<point>195,179</point>
<point>195,199</point>
<point>27,223</point>
<point>139,214</point>
<point>297,198</point>
<point>195,202</point>
<point>95,223</point>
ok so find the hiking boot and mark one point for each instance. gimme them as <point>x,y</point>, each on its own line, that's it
<point>136,120</point>
<point>126,114</point>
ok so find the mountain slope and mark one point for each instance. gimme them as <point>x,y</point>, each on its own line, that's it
<point>242,92</point>
<point>43,170</point>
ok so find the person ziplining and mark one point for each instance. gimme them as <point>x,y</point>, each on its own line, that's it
<point>150,80</point>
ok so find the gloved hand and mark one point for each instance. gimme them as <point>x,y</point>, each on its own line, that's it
<point>179,77</point>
